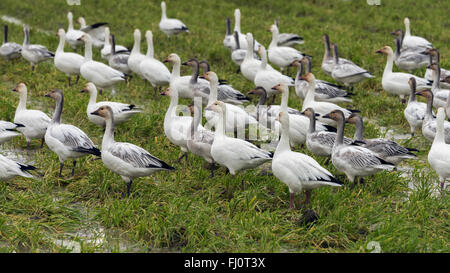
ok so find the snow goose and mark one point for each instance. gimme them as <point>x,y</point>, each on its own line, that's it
<point>414,111</point>
<point>34,122</point>
<point>438,156</point>
<point>320,143</point>
<point>324,91</point>
<point>238,54</point>
<point>328,60</point>
<point>320,107</point>
<point>410,41</point>
<point>99,73</point>
<point>119,60</point>
<point>136,57</point>
<point>440,95</point>
<point>200,141</point>
<point>242,40</point>
<point>250,65</point>
<point>66,140</point>
<point>268,78</point>
<point>298,171</point>
<point>408,59</point>
<point>170,26</point>
<point>299,123</point>
<point>434,57</point>
<point>429,122</point>
<point>281,56</point>
<point>35,54</point>
<point>152,69</point>
<point>106,50</point>
<point>347,73</point>
<point>9,50</point>
<point>8,130</point>
<point>288,39</point>
<point>388,150</point>
<point>10,169</point>
<point>96,31</point>
<point>72,35</point>
<point>122,111</point>
<point>354,160</point>
<point>396,83</point>
<point>236,119</point>
<point>201,87</point>
<point>67,62</point>
<point>126,159</point>
<point>176,128</point>
<point>234,153</point>
<point>180,84</point>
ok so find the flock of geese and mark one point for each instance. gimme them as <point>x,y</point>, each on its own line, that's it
<point>319,125</point>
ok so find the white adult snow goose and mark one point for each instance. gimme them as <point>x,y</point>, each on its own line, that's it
<point>407,59</point>
<point>438,156</point>
<point>10,169</point>
<point>354,161</point>
<point>136,57</point>
<point>8,130</point>
<point>126,159</point>
<point>328,60</point>
<point>388,150</point>
<point>34,122</point>
<point>233,153</point>
<point>396,83</point>
<point>228,40</point>
<point>429,122</point>
<point>67,62</point>
<point>96,31</point>
<point>268,78</point>
<point>34,54</point>
<point>122,111</point>
<point>170,26</point>
<point>99,73</point>
<point>324,91</point>
<point>347,73</point>
<point>250,65</point>
<point>178,82</point>
<point>72,35</point>
<point>152,69</point>
<point>298,171</point>
<point>9,50</point>
<point>415,110</point>
<point>242,40</point>
<point>66,140</point>
<point>410,41</point>
<point>281,56</point>
<point>106,50</point>
<point>434,57</point>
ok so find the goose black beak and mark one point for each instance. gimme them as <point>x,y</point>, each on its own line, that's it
<point>327,116</point>
<point>95,113</point>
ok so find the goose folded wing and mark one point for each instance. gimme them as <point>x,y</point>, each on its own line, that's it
<point>96,31</point>
<point>360,157</point>
<point>136,156</point>
<point>75,139</point>
<point>244,150</point>
<point>347,70</point>
<point>307,169</point>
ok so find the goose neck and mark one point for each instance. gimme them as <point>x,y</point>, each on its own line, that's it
<point>359,130</point>
<point>108,137</point>
<point>88,50</point>
<point>58,109</point>
<point>5,34</point>
<point>22,101</point>
<point>150,50</point>
<point>340,133</point>
<point>212,92</point>
<point>284,144</point>
<point>61,43</point>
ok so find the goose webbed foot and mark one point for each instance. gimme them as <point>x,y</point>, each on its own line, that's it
<point>61,165</point>
<point>73,168</point>
<point>181,157</point>
<point>129,188</point>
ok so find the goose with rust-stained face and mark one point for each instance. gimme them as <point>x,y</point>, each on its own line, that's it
<point>354,161</point>
<point>67,62</point>
<point>126,159</point>
<point>66,140</point>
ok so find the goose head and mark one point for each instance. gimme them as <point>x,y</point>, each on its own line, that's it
<point>20,88</point>
<point>386,50</point>
<point>85,38</point>
<point>353,118</point>
<point>309,112</point>
<point>217,106</point>
<point>173,58</point>
<point>309,77</point>
<point>336,115</point>
<point>103,111</point>
<point>191,62</point>
<point>137,34</point>
<point>259,91</point>
<point>89,88</point>
<point>281,87</point>
<point>398,33</point>
<point>431,51</point>
<point>81,21</point>
<point>296,63</point>
<point>211,76</point>
<point>61,32</point>
<point>55,94</point>
<point>426,93</point>
<point>148,35</point>
<point>406,22</point>
<point>249,38</point>
<point>204,65</point>
<point>273,28</point>
<point>446,79</point>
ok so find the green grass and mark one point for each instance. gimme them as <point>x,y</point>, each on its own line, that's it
<point>184,210</point>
